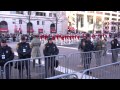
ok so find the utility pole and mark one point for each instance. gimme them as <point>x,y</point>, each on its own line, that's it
<point>77,22</point>
<point>56,21</point>
<point>29,13</point>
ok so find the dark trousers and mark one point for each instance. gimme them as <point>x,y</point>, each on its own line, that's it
<point>49,66</point>
<point>86,60</point>
<point>21,68</point>
<point>7,71</point>
<point>39,61</point>
<point>114,55</point>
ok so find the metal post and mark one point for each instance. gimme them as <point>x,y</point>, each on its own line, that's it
<point>77,24</point>
<point>56,22</point>
<point>29,13</point>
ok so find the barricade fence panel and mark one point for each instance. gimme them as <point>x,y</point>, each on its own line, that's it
<point>65,76</point>
<point>45,67</point>
<point>84,60</point>
<point>74,62</point>
<point>108,71</point>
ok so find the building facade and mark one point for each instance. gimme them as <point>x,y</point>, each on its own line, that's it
<point>28,22</point>
<point>94,21</point>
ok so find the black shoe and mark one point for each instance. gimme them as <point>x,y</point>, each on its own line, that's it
<point>116,64</point>
<point>88,73</point>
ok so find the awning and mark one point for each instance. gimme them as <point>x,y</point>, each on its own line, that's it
<point>71,28</point>
<point>40,30</point>
<point>53,30</point>
<point>3,29</point>
<point>30,31</point>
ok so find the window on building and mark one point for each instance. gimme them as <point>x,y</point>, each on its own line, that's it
<point>29,12</point>
<point>119,15</point>
<point>37,22</point>
<point>90,19</point>
<point>19,12</point>
<point>107,13</point>
<point>106,27</point>
<point>114,19</point>
<point>40,14</point>
<point>20,21</point>
<point>13,22</point>
<point>43,22</point>
<point>50,14</point>
<point>114,14</point>
<point>73,19</point>
<point>106,18</point>
<point>81,22</point>
<point>118,19</point>
<point>114,11</point>
<point>113,28</point>
<point>54,14</point>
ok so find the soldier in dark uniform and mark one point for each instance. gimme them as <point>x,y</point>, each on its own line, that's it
<point>6,54</point>
<point>49,50</point>
<point>114,46</point>
<point>24,51</point>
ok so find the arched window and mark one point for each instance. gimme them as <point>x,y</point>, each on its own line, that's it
<point>52,28</point>
<point>29,27</point>
<point>3,25</point>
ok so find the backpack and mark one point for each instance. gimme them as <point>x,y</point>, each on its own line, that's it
<point>24,49</point>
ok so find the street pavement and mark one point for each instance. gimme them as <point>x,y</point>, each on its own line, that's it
<point>66,65</point>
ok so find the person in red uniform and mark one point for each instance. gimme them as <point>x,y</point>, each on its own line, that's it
<point>78,36</point>
<point>57,36</point>
<point>53,37</point>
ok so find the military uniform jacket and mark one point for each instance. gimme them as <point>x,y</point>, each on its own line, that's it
<point>115,44</point>
<point>6,54</point>
<point>24,50</point>
<point>50,49</point>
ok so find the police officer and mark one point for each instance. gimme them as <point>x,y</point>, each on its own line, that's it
<point>6,54</point>
<point>87,46</point>
<point>49,50</point>
<point>35,45</point>
<point>114,46</point>
<point>24,51</point>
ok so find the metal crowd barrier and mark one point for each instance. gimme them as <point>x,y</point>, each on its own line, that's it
<point>65,76</point>
<point>114,55</point>
<point>23,68</point>
<point>84,60</point>
<point>75,62</point>
<point>108,71</point>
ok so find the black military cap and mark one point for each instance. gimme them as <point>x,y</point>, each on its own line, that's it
<point>3,41</point>
<point>87,35</point>
<point>23,38</point>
